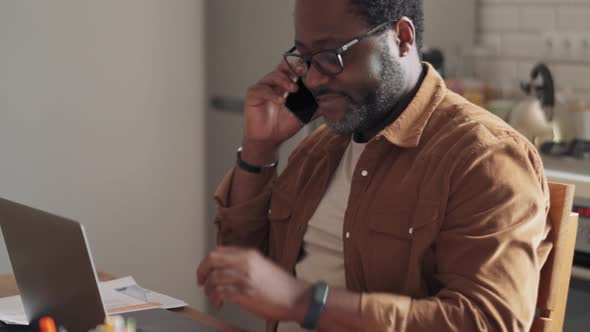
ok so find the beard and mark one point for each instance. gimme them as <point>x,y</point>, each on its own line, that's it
<point>377,103</point>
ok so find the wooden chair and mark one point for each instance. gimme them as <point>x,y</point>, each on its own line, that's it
<point>555,274</point>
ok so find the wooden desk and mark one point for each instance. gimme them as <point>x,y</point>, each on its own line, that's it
<point>8,288</point>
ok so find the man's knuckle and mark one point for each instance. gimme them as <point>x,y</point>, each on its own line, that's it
<point>252,253</point>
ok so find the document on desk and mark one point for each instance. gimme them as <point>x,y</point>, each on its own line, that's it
<point>118,296</point>
<point>12,310</point>
<point>135,295</point>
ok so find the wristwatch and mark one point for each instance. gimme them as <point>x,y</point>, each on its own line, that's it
<point>251,168</point>
<point>319,297</point>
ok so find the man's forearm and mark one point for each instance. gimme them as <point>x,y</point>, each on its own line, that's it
<point>343,309</point>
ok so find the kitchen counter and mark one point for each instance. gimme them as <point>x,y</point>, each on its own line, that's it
<point>569,170</point>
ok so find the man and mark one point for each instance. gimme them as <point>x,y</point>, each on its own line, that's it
<point>418,210</point>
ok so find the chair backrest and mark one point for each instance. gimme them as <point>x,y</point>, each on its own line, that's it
<point>555,274</point>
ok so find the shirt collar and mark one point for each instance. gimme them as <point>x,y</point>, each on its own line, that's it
<point>407,129</point>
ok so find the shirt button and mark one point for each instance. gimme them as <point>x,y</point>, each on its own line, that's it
<point>411,230</point>
<point>364,173</point>
<point>347,235</point>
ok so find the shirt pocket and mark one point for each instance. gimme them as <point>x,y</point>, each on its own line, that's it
<point>279,217</point>
<point>395,233</point>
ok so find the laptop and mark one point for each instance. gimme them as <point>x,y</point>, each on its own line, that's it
<point>56,276</point>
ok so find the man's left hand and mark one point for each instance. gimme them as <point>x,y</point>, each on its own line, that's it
<point>247,278</point>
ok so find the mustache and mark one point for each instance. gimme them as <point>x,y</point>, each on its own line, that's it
<point>321,92</point>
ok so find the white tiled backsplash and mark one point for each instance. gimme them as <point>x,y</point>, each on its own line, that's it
<point>521,33</point>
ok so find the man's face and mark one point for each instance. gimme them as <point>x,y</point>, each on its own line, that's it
<point>372,80</point>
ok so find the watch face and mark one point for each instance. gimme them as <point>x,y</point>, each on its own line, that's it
<point>316,307</point>
<point>320,292</point>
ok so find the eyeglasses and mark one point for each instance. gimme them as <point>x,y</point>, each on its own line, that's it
<point>327,62</point>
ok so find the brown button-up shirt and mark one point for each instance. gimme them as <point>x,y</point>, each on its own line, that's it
<point>446,225</point>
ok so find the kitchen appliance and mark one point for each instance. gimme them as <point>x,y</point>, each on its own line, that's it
<point>541,85</point>
<point>578,132</point>
<point>533,116</point>
<point>581,144</point>
<point>529,118</point>
<point>581,119</point>
<point>562,131</point>
<point>581,149</point>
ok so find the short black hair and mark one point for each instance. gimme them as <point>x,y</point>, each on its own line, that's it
<point>376,12</point>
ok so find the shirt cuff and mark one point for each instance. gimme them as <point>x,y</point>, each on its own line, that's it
<point>254,209</point>
<point>384,312</point>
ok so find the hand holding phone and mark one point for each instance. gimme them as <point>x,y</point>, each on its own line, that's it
<point>268,122</point>
<point>302,103</point>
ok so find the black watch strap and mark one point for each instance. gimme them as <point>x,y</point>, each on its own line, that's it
<point>252,168</point>
<point>319,297</point>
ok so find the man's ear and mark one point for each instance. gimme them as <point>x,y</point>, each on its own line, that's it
<point>405,35</point>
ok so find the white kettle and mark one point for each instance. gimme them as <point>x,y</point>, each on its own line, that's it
<point>529,118</point>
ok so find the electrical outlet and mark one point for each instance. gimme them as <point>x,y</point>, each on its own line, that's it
<point>566,46</point>
<point>580,46</point>
<point>551,44</point>
<point>558,45</point>
<point>576,51</point>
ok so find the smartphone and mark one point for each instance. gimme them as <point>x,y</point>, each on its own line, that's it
<point>302,103</point>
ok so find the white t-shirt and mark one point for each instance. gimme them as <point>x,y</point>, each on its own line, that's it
<point>323,243</point>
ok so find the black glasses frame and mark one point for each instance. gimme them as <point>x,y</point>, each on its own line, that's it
<point>309,59</point>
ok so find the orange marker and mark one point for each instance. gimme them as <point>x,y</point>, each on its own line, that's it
<point>47,324</point>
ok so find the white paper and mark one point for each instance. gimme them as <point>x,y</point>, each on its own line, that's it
<point>129,287</point>
<point>118,296</point>
<point>12,311</point>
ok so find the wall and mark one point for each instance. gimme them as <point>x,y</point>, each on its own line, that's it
<point>521,33</point>
<point>102,121</point>
<point>450,26</point>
